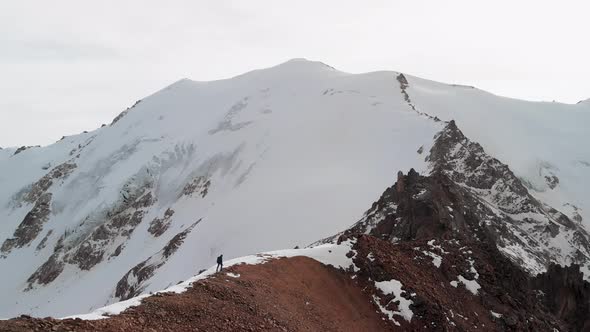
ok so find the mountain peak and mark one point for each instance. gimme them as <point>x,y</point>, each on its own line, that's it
<point>298,60</point>
<point>306,63</point>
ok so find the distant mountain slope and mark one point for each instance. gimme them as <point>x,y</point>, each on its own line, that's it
<point>270,159</point>
<point>542,142</point>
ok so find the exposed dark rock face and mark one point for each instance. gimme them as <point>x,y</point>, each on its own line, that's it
<point>19,150</point>
<point>43,242</point>
<point>467,163</point>
<point>45,274</point>
<point>199,185</point>
<point>94,248</point>
<point>435,221</point>
<point>438,298</point>
<point>23,148</point>
<point>564,291</point>
<point>134,281</point>
<point>505,207</point>
<point>118,250</point>
<point>141,272</point>
<point>52,268</point>
<point>99,243</point>
<point>122,114</point>
<point>87,255</point>
<point>473,199</point>
<point>417,208</point>
<point>159,225</point>
<point>31,225</point>
<point>177,240</point>
<point>552,181</point>
<point>144,201</point>
<point>42,185</point>
<point>403,85</point>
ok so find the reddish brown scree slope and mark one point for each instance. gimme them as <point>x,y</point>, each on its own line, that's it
<point>288,294</point>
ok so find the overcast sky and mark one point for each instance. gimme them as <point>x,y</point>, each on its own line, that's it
<point>69,66</point>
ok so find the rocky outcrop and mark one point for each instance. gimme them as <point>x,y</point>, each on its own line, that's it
<point>530,232</point>
<point>418,207</point>
<point>104,241</point>
<point>43,242</point>
<point>159,225</point>
<point>123,221</point>
<point>31,226</point>
<point>177,240</point>
<point>134,281</point>
<point>450,285</point>
<point>199,185</point>
<point>566,294</point>
<point>552,181</point>
<point>40,187</point>
<point>438,227</point>
<point>488,251</point>
<point>19,150</point>
<point>466,162</point>
<point>47,272</point>
<point>403,85</point>
<point>23,148</point>
<point>131,283</point>
<point>458,214</point>
<point>122,114</point>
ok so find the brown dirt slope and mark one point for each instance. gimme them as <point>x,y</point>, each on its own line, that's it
<point>288,294</point>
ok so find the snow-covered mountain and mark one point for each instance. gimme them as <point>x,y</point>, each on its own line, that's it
<point>270,159</point>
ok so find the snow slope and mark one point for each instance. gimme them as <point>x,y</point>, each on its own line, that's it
<point>270,159</point>
<point>536,139</point>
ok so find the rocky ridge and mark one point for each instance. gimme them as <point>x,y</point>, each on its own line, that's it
<point>532,234</point>
<point>439,220</point>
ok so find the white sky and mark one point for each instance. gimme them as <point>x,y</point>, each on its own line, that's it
<point>69,66</point>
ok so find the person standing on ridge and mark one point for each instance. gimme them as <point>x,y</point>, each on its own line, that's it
<point>219,263</point>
